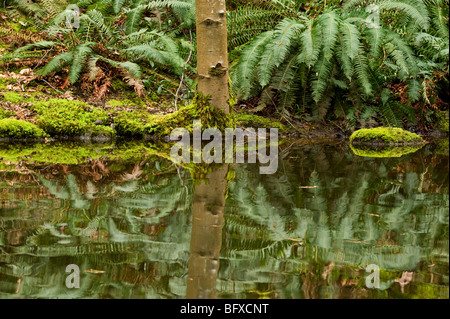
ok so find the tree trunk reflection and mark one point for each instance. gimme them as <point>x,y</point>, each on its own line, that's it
<point>206,236</point>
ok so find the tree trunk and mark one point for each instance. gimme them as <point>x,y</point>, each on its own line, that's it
<point>212,52</point>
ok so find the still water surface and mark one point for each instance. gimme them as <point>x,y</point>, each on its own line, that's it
<point>141,227</point>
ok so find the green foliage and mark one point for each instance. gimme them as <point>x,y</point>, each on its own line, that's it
<point>307,63</point>
<point>385,135</point>
<point>112,36</point>
<point>16,129</point>
<point>442,122</point>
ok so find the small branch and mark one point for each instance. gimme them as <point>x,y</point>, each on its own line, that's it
<point>182,73</point>
<point>52,86</point>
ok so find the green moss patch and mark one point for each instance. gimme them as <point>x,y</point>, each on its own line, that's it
<point>442,147</point>
<point>395,151</point>
<point>385,136</point>
<point>13,97</point>
<point>442,121</point>
<point>5,114</point>
<point>200,109</point>
<point>11,128</point>
<point>79,153</point>
<point>132,123</point>
<point>247,120</point>
<point>70,118</point>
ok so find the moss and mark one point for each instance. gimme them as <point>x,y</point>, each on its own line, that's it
<point>442,147</point>
<point>53,153</point>
<point>385,136</point>
<point>442,121</point>
<point>246,120</point>
<point>101,131</point>
<point>68,118</point>
<point>5,81</point>
<point>14,97</point>
<point>132,123</point>
<point>200,109</point>
<point>119,103</point>
<point>119,85</point>
<point>395,151</point>
<point>11,128</point>
<point>5,114</point>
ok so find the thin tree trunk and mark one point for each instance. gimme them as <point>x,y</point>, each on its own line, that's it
<point>212,52</point>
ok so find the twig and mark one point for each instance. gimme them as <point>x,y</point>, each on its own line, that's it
<point>52,86</point>
<point>182,73</point>
<point>43,58</point>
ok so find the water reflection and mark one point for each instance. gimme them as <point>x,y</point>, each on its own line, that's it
<point>140,227</point>
<point>206,235</point>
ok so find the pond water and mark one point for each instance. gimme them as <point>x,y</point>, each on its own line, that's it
<point>139,226</point>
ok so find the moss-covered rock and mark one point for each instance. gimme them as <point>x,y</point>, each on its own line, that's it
<point>12,128</point>
<point>389,136</point>
<point>394,151</point>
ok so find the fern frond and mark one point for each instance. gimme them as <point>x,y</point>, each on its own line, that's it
<point>415,9</point>
<point>374,37</point>
<point>36,45</point>
<point>133,69</point>
<point>330,30</point>
<point>322,70</point>
<point>275,52</point>
<point>310,43</point>
<point>414,90</point>
<point>250,58</point>
<point>362,71</point>
<point>117,5</point>
<point>81,55</point>
<point>350,39</point>
<point>134,18</point>
<point>57,63</point>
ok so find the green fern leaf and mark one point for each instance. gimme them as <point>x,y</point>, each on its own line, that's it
<point>117,5</point>
<point>350,39</point>
<point>330,31</point>
<point>322,70</point>
<point>81,55</point>
<point>275,52</point>
<point>57,63</point>
<point>250,58</point>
